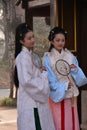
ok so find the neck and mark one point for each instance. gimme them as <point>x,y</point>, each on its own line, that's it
<point>59,50</point>
<point>28,48</point>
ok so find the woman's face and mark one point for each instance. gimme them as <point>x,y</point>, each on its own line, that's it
<point>28,40</point>
<point>59,41</point>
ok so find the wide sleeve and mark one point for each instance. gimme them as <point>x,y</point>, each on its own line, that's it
<point>58,89</point>
<point>35,86</point>
<point>78,75</point>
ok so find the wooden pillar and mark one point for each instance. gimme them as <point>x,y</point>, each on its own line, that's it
<point>29,18</point>
<point>57,15</point>
<point>53,13</point>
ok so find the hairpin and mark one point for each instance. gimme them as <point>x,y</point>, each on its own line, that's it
<point>20,35</point>
<point>65,32</point>
<point>26,25</point>
<point>52,32</point>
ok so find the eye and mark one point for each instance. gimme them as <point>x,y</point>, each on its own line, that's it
<point>29,38</point>
<point>58,40</point>
<point>63,40</point>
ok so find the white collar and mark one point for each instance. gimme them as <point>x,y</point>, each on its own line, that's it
<point>56,52</point>
<point>26,50</point>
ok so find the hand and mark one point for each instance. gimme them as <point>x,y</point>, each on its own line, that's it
<point>43,69</point>
<point>72,66</point>
<point>70,85</point>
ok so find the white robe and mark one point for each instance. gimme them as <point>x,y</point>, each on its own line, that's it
<point>33,93</point>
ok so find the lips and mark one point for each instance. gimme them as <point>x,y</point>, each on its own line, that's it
<point>60,46</point>
<point>32,43</point>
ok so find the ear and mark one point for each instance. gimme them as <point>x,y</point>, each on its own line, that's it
<point>21,41</point>
<point>52,42</point>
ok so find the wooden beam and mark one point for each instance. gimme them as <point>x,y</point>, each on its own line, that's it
<point>38,3</point>
<point>40,12</point>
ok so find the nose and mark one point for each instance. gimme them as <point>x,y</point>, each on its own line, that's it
<point>33,40</point>
<point>61,42</point>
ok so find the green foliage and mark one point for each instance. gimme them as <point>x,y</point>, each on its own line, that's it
<point>10,102</point>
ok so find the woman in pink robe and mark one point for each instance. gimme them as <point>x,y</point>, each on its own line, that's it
<point>64,91</point>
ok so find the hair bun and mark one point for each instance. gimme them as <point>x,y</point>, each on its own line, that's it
<point>21,30</point>
<point>56,30</point>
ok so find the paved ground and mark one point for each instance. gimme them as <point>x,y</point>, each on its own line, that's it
<point>8,118</point>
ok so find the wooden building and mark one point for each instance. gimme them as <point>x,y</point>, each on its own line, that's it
<point>72,15</point>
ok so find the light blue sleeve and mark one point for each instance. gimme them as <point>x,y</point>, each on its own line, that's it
<point>58,89</point>
<point>78,75</point>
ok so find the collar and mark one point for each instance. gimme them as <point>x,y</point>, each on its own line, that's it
<point>56,52</point>
<point>26,50</point>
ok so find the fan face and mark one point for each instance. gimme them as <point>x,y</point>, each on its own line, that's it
<point>36,60</point>
<point>62,67</point>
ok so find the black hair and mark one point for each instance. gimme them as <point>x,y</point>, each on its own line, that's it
<point>53,32</point>
<point>21,31</point>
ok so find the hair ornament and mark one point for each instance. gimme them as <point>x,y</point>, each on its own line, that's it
<point>66,32</point>
<point>52,33</point>
<point>20,35</point>
<point>26,25</point>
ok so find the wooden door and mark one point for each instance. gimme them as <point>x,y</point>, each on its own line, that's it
<point>82,54</point>
<point>72,15</point>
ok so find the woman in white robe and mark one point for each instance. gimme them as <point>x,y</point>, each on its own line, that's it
<point>33,92</point>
